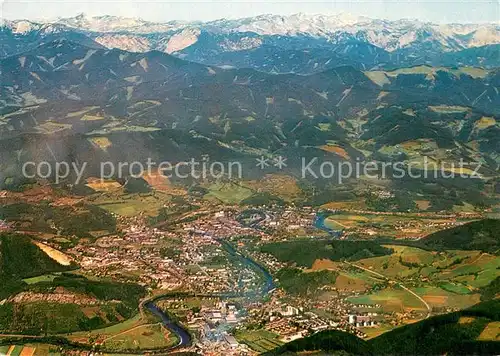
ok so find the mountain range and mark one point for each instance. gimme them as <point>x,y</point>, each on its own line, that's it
<point>64,89</point>
<point>297,43</point>
<point>68,95</point>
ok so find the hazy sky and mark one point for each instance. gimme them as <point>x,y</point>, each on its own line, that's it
<point>441,11</point>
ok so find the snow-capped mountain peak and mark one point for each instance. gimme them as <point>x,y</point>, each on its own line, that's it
<point>264,35</point>
<point>23,27</point>
<point>108,23</point>
<point>297,23</point>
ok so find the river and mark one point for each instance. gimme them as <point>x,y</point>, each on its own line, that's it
<point>319,222</point>
<point>268,285</point>
<point>182,333</point>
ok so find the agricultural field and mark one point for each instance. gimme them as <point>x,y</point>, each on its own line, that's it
<point>390,225</point>
<point>124,128</point>
<point>102,142</point>
<point>416,147</point>
<point>391,300</point>
<point>352,282</point>
<point>99,185</point>
<point>465,208</point>
<point>474,72</point>
<point>343,205</point>
<point>378,77</point>
<point>50,127</point>
<point>82,112</point>
<point>335,224</point>
<point>86,336</point>
<point>282,186</point>
<point>132,204</point>
<point>382,77</point>
<point>484,122</point>
<point>491,332</point>
<point>229,193</point>
<point>423,204</point>
<point>28,350</point>
<point>324,263</point>
<point>456,288</point>
<point>476,271</point>
<point>444,280</point>
<point>393,265</point>
<point>92,118</point>
<point>11,350</point>
<point>161,183</point>
<point>339,151</point>
<point>462,270</point>
<point>439,297</point>
<point>141,337</point>
<point>447,109</point>
<point>42,278</point>
<point>374,332</point>
<point>259,340</point>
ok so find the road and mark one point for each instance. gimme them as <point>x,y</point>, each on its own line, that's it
<point>339,223</point>
<point>427,306</point>
<point>129,330</point>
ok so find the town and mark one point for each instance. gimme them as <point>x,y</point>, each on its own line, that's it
<point>208,267</point>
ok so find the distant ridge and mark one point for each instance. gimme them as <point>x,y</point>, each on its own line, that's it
<point>298,43</point>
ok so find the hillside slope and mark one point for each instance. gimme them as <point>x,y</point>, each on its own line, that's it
<point>91,105</point>
<point>453,334</point>
<point>60,303</point>
<point>481,235</point>
<point>21,258</point>
<point>329,341</point>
